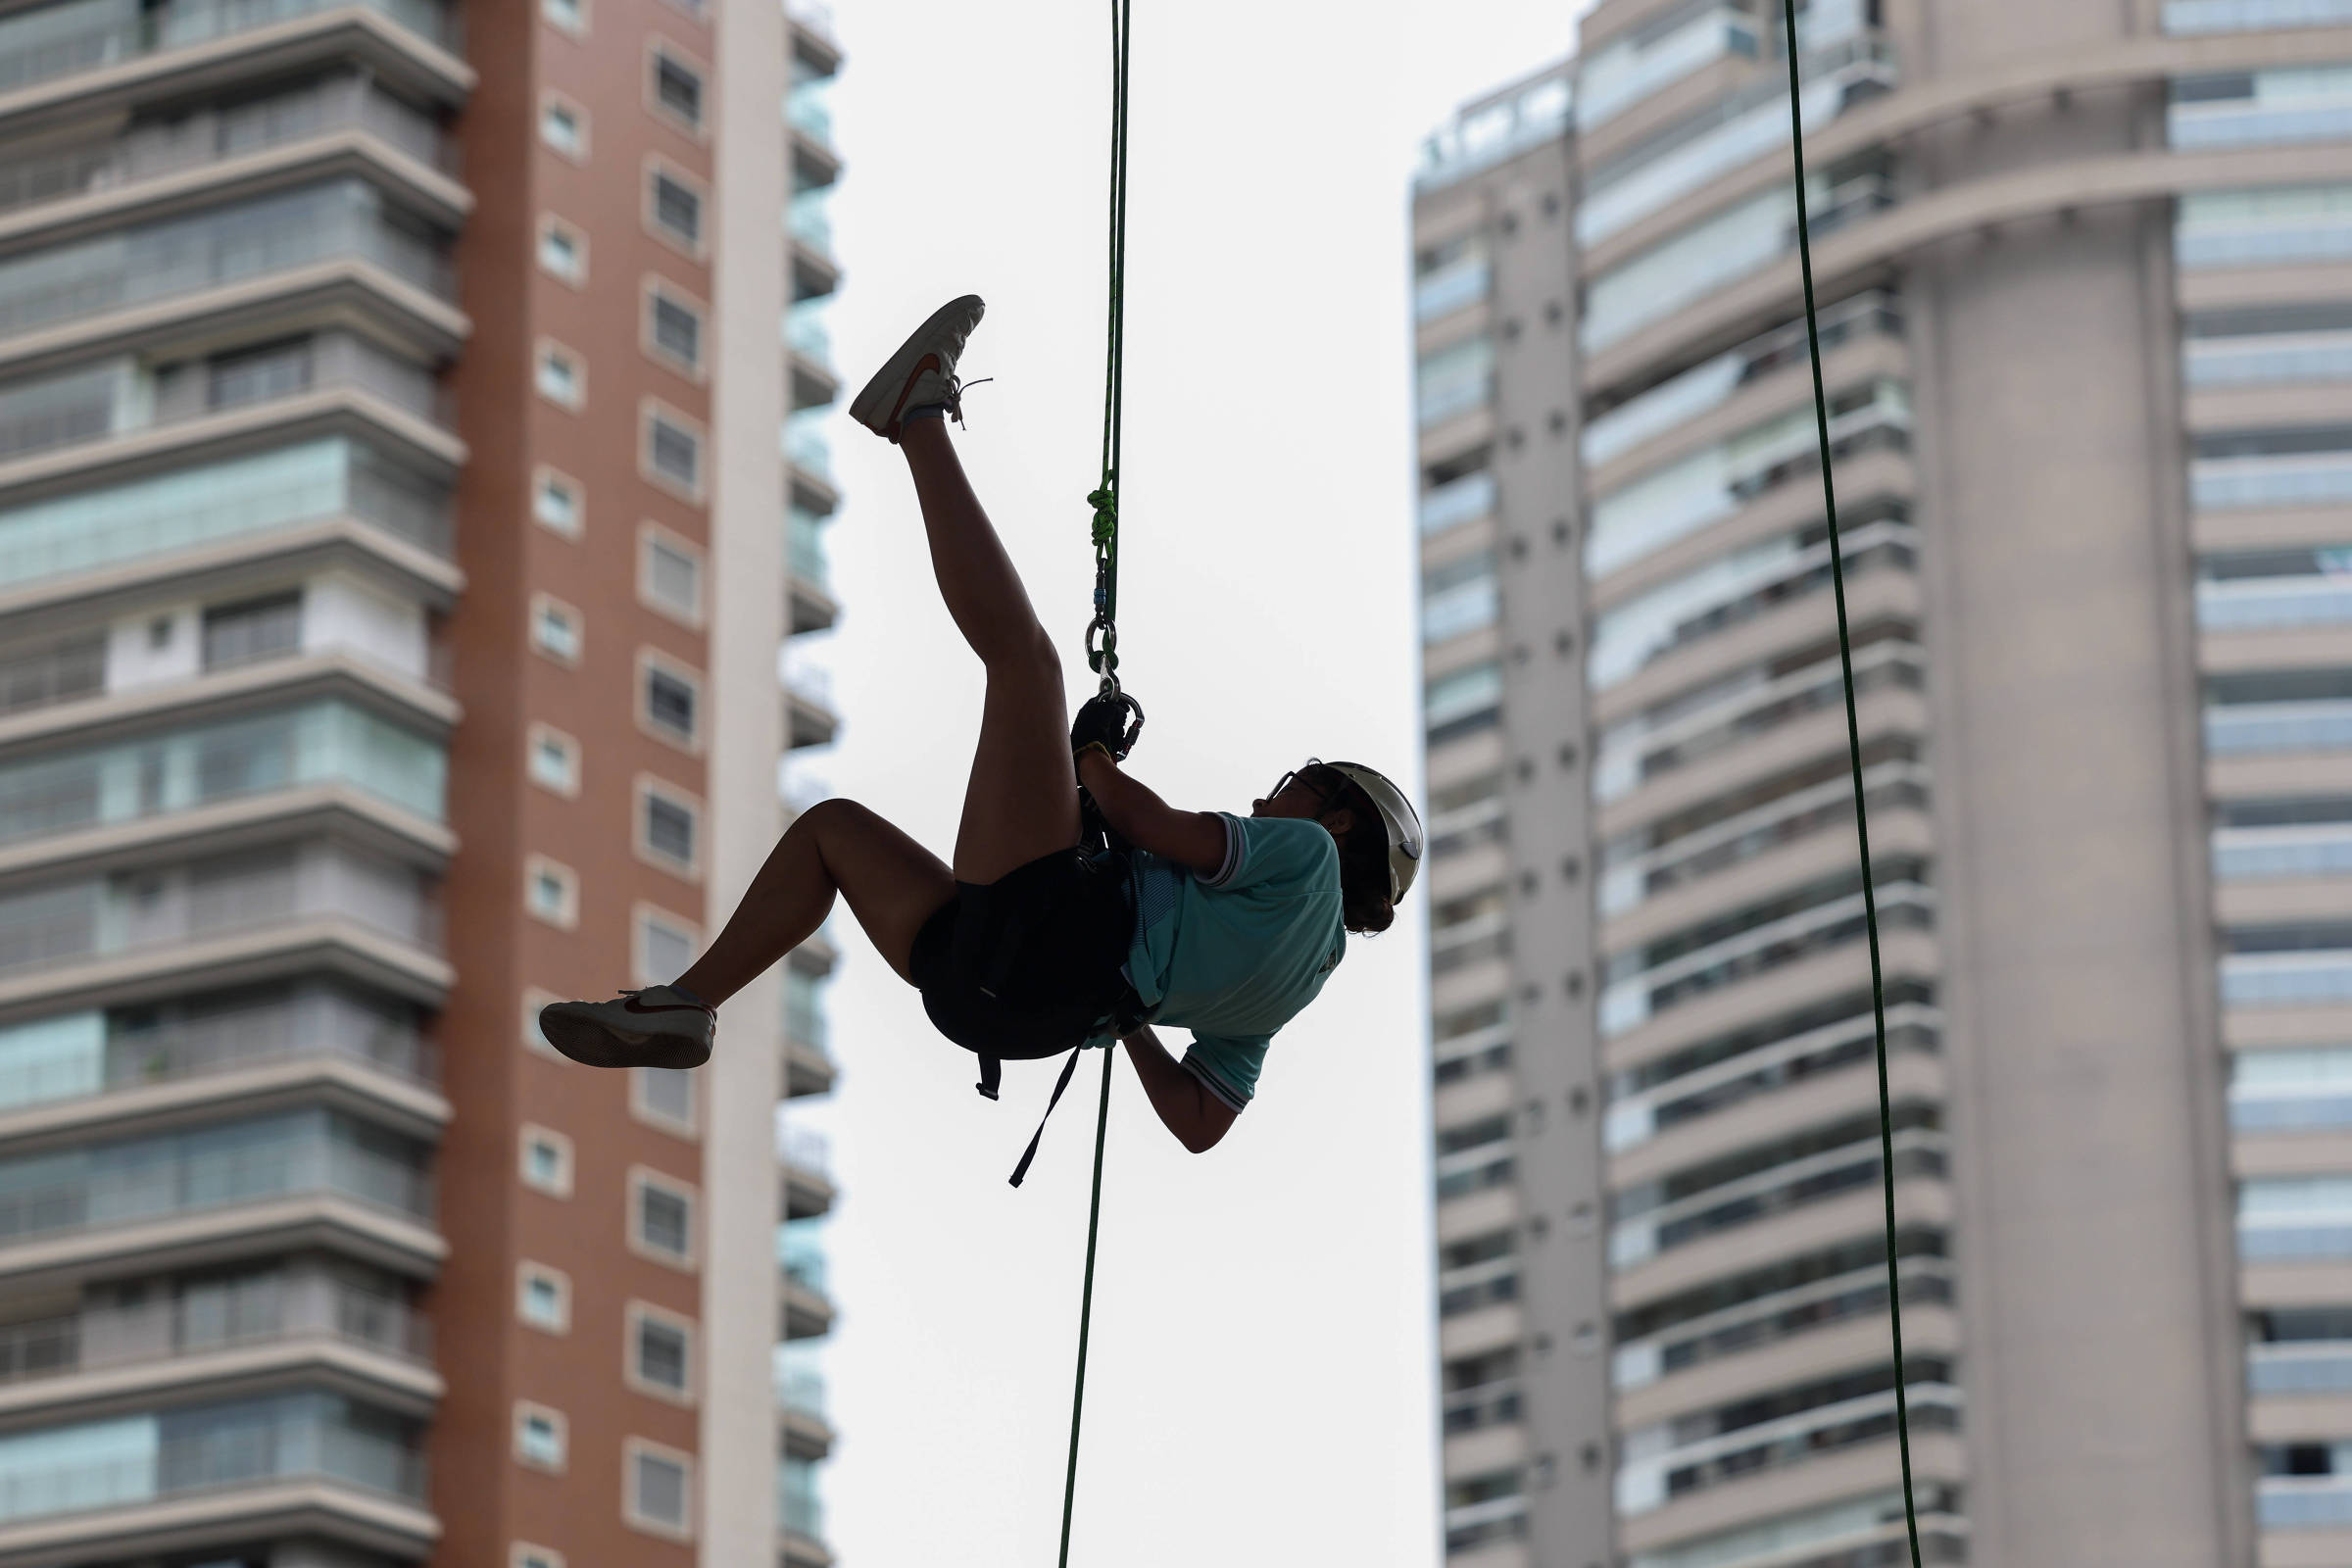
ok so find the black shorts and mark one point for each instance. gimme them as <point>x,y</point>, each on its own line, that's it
<point>1028,966</point>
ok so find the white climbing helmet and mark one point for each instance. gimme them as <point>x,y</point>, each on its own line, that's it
<point>1402,822</point>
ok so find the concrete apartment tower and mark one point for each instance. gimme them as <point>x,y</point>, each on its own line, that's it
<point>2086,284</point>
<point>396,539</point>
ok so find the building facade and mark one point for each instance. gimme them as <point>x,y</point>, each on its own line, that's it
<point>394,400</point>
<point>2088,339</point>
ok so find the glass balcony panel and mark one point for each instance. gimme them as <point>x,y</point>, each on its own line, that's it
<point>805,447</point>
<point>2251,15</point>
<point>2254,729</point>
<point>1454,381</point>
<point>1451,288</point>
<point>2299,1368</point>
<point>1485,136</point>
<point>2268,854</point>
<point>1642,1226</point>
<point>66,669</point>
<point>1460,501</point>
<point>1626,71</point>
<point>264,493</point>
<point>2276,359</point>
<point>801,1253</point>
<point>1645,514</point>
<point>2286,979</point>
<point>2298,479</point>
<point>797,1503</point>
<point>2302,1502</point>
<point>1780,1315</point>
<point>1685,397</point>
<point>164,1174</point>
<point>810,218</point>
<point>83,35</point>
<point>1717,251</point>
<point>1736,131</point>
<point>2274,603</point>
<point>2272,107</point>
<point>1648,1483</point>
<point>164,1329</point>
<point>2268,226</point>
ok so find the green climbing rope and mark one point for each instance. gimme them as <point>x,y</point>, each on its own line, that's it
<point>1854,743</point>
<point>1103,656</point>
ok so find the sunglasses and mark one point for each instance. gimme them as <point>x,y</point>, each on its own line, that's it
<point>1316,775</point>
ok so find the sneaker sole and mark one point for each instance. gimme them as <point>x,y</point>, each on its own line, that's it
<point>594,1045</point>
<point>876,407</point>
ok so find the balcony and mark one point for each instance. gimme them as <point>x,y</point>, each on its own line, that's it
<point>810,457</point>
<point>2300,479</point>
<point>156,525</point>
<point>1450,504</point>
<point>1625,71</point>
<point>107,1351</point>
<point>2277,225</point>
<point>1752,122</point>
<point>162,1194</point>
<point>807,1306</point>
<point>811,718</point>
<point>1648,1481</point>
<point>51,59</point>
<point>1528,116</point>
<point>319,743</point>
<point>2248,15</point>
<point>2303,1502</point>
<point>69,1070</point>
<point>1775,1318</point>
<point>799,1390</point>
<point>1650,1221</point>
<point>121,417</point>
<point>807,575</point>
<point>2300,1368</point>
<point>807,1156</point>
<point>116,1478</point>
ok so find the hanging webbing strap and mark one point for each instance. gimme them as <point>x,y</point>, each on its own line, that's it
<point>1853,742</point>
<point>988,1067</point>
<point>1103,656</point>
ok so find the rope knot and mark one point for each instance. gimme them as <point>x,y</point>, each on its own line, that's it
<point>1105,503</point>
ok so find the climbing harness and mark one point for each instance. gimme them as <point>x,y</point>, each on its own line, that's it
<point>1853,742</point>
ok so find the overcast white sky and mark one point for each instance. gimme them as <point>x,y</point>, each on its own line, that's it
<point>1260,1391</point>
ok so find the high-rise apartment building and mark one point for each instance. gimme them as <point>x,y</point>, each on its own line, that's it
<point>396,539</point>
<point>2086,327</point>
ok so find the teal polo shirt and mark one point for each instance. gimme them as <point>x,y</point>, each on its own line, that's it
<point>1235,955</point>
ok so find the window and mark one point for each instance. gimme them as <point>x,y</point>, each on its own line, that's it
<point>664,1097</point>
<point>669,699</point>
<point>555,629</point>
<point>552,892</point>
<point>539,1437</point>
<point>534,998</point>
<point>661,1352</point>
<point>543,1296</point>
<point>561,376</point>
<point>668,823</point>
<point>674,452</point>
<point>669,574</point>
<point>256,628</point>
<point>555,760</point>
<point>546,1160</point>
<point>258,374</point>
<point>526,1555</point>
<point>563,126</point>
<point>676,87</point>
<point>660,1484</point>
<point>674,327</point>
<point>666,946</point>
<point>675,207</point>
<point>562,250</point>
<point>660,1218</point>
<point>555,502</point>
<point>571,16</point>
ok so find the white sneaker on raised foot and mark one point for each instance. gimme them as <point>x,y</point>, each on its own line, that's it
<point>921,373</point>
<point>659,1026</point>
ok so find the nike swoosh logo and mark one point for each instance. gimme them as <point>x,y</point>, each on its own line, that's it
<point>633,1005</point>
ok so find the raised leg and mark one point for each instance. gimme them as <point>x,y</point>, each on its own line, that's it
<point>893,885</point>
<point>1022,799</point>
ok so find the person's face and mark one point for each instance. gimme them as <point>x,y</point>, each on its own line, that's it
<point>1304,793</point>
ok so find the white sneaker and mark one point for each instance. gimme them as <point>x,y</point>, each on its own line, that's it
<point>658,1027</point>
<point>922,372</point>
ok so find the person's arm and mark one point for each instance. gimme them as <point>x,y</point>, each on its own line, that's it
<point>1193,840</point>
<point>1196,1116</point>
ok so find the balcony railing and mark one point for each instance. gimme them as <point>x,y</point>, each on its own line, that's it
<point>1741,129</point>
<point>1485,136</point>
<point>200,1172</point>
<point>83,1060</point>
<point>2270,109</point>
<point>1620,75</point>
<point>1457,501</point>
<point>164,1331</point>
<point>1769,1319</point>
<point>2258,729</point>
<point>805,1149</point>
<point>2264,226</point>
<point>2249,16</point>
<point>2300,479</point>
<point>2303,1502</point>
<point>2299,1367</point>
<point>1477,1285</point>
<point>2267,358</point>
<point>34,50</point>
<point>152,151</point>
<point>1795,1184</point>
<point>234,1456</point>
<point>1491,1404</point>
<point>268,492</point>
<point>1650,1482</point>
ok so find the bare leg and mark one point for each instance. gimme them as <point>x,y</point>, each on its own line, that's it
<point>893,884</point>
<point>1023,800</point>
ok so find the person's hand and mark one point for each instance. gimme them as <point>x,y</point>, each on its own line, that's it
<point>1102,721</point>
